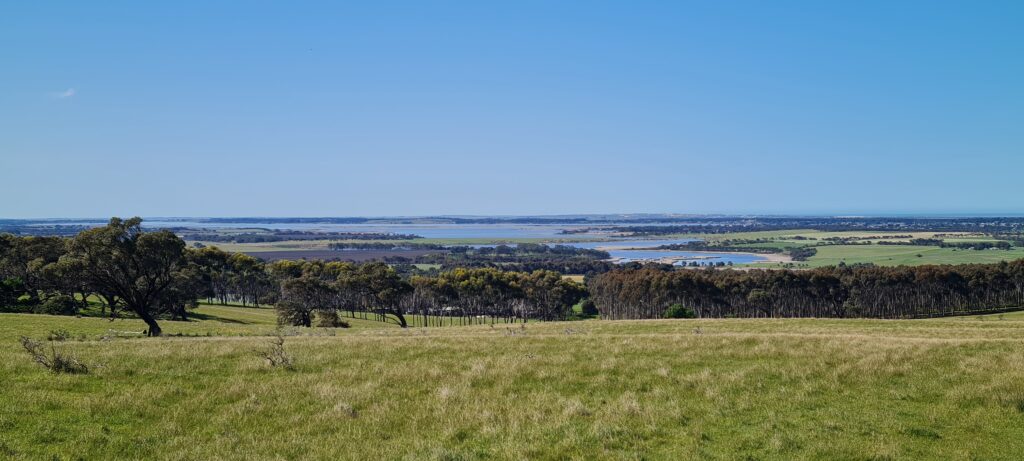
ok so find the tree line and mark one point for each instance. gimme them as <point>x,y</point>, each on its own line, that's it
<point>322,292</point>
<point>267,235</point>
<point>154,275</point>
<point>840,291</point>
<point>150,274</point>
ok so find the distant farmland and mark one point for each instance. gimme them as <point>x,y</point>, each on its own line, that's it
<point>339,255</point>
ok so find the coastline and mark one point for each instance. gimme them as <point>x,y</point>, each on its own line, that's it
<point>771,258</point>
<point>768,258</point>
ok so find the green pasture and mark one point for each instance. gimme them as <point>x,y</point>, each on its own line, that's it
<point>685,389</point>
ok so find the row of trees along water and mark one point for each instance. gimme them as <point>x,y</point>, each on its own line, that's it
<point>155,276</point>
<point>843,291</point>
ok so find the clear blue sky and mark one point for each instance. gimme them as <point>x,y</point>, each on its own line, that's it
<point>207,108</point>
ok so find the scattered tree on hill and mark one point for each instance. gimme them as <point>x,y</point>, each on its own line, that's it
<point>301,297</point>
<point>147,271</point>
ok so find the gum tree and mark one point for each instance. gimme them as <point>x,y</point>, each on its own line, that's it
<point>144,270</point>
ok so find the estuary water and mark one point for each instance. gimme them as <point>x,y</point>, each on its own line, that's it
<point>621,250</point>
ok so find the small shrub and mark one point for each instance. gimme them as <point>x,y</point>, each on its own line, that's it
<point>588,308</point>
<point>924,433</point>
<point>57,305</point>
<point>276,356</point>
<point>678,311</point>
<point>59,335</point>
<point>344,324</point>
<point>346,409</point>
<point>327,319</point>
<point>56,360</point>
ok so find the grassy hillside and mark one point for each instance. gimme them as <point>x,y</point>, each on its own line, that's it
<point>688,389</point>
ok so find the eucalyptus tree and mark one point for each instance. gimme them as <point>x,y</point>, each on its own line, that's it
<point>147,271</point>
<point>301,297</point>
<point>24,261</point>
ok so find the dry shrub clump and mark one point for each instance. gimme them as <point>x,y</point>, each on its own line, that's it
<point>275,355</point>
<point>54,360</point>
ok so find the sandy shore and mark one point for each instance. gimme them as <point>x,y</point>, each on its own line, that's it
<point>767,257</point>
<point>772,258</point>
<point>711,256</point>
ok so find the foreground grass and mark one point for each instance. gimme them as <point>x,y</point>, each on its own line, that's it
<point>718,389</point>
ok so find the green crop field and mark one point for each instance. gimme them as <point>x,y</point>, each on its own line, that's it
<point>685,389</point>
<point>868,251</point>
<point>895,255</point>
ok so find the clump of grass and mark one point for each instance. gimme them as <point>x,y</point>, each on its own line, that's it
<point>346,409</point>
<point>59,335</point>
<point>275,355</point>
<point>54,360</point>
<point>509,331</point>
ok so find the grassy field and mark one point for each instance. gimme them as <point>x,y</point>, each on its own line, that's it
<point>895,255</point>
<point>685,389</point>
<point>575,278</point>
<point>882,255</point>
<point>790,235</point>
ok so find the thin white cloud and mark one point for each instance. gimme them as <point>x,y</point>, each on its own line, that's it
<point>65,94</point>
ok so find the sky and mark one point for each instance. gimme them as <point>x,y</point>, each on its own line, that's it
<point>382,108</point>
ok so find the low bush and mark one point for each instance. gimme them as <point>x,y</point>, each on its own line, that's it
<point>327,319</point>
<point>57,305</point>
<point>677,311</point>
<point>54,360</point>
<point>59,335</point>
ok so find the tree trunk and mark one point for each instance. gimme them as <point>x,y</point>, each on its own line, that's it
<point>401,319</point>
<point>154,328</point>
